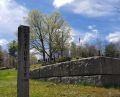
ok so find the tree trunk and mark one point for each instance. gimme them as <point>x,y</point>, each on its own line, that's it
<point>61,53</point>
<point>43,49</point>
<point>50,47</point>
<point>50,57</point>
<point>43,56</point>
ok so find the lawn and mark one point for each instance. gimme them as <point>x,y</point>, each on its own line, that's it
<point>49,89</point>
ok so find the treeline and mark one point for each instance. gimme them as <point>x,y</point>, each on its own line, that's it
<point>8,57</point>
<point>87,50</point>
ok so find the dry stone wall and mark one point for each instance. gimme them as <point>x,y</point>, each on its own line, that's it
<point>99,71</point>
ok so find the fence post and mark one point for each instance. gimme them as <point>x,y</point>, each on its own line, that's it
<point>23,62</point>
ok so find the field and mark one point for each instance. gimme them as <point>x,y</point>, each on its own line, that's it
<point>49,89</point>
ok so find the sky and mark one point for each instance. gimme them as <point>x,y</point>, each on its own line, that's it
<point>89,19</point>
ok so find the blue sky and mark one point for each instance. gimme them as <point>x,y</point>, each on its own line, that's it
<point>88,19</point>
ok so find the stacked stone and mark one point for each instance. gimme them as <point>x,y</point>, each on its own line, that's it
<point>98,71</point>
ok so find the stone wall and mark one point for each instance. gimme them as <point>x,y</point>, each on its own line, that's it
<point>99,71</point>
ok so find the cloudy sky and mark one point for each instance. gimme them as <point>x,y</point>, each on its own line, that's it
<point>88,19</point>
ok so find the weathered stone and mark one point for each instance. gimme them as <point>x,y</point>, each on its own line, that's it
<point>35,74</point>
<point>95,70</point>
<point>23,62</point>
<point>91,80</point>
<point>110,66</point>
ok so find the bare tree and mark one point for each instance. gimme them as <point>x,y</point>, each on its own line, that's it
<point>35,20</point>
<point>57,33</point>
<point>49,33</point>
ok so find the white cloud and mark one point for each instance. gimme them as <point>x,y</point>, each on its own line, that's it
<point>60,3</point>
<point>88,36</point>
<point>91,8</point>
<point>91,27</point>
<point>85,37</point>
<point>3,42</point>
<point>113,37</point>
<point>36,53</point>
<point>11,15</point>
<point>73,33</point>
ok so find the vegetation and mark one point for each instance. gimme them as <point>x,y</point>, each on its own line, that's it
<point>49,33</point>
<point>111,50</point>
<point>1,56</point>
<point>48,89</point>
<point>33,59</point>
<point>50,37</point>
<point>35,66</point>
<point>63,59</point>
<point>90,50</point>
<point>12,50</point>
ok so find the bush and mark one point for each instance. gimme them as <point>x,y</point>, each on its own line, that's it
<point>63,59</point>
<point>77,58</point>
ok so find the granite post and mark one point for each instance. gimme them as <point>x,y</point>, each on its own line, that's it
<point>23,62</point>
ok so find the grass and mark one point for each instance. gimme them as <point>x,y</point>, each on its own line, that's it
<point>35,66</point>
<point>49,89</point>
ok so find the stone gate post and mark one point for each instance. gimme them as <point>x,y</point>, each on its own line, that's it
<point>23,62</point>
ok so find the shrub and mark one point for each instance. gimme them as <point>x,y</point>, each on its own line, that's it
<point>63,59</point>
<point>77,58</point>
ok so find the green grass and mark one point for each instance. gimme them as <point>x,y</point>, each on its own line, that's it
<point>35,66</point>
<point>8,83</point>
<point>49,89</point>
